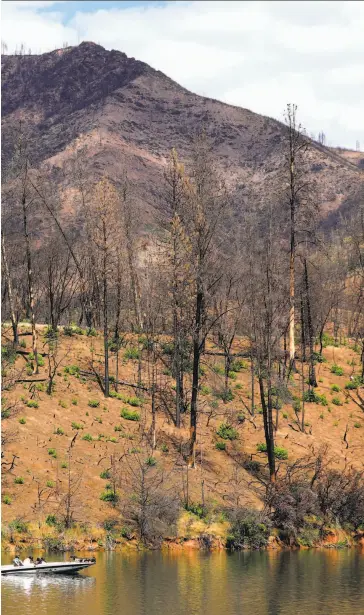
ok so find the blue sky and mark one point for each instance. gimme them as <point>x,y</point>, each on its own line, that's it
<point>69,8</point>
<point>256,54</point>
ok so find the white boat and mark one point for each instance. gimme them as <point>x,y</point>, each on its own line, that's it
<point>49,567</point>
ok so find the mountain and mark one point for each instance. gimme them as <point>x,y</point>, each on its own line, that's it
<point>131,115</point>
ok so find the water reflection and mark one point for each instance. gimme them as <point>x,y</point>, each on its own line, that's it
<point>272,583</point>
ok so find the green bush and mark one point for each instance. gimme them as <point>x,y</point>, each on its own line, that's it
<point>40,387</point>
<point>357,425</point>
<point>72,370</point>
<point>220,446</point>
<point>62,403</point>
<point>336,369</point>
<point>249,529</point>
<point>279,452</point>
<point>218,369</point>
<point>19,526</point>
<point>19,480</point>
<point>22,421</point>
<point>105,474</point>
<point>52,452</point>
<point>132,353</point>
<point>74,402</point>
<point>238,386</point>
<point>226,432</point>
<point>151,461</point>
<point>318,358</point>
<point>232,375</point>
<point>7,500</point>
<point>164,448</point>
<point>130,415</point>
<point>59,431</point>
<point>354,384</point>
<point>98,419</point>
<point>51,520</point>
<point>311,396</point>
<point>336,401</point>
<point>112,439</point>
<point>109,496</point>
<point>118,428</point>
<point>22,344</point>
<point>93,403</point>
<point>196,509</point>
<point>50,484</point>
<point>91,332</point>
<point>64,465</point>
<point>238,365</point>
<point>75,425</point>
<point>335,388</point>
<point>205,390</point>
<point>32,404</point>
<point>87,437</point>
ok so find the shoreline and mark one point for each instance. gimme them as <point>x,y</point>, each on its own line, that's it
<point>335,539</point>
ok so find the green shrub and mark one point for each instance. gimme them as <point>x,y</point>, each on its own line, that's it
<point>19,526</point>
<point>52,452</point>
<point>249,529</point>
<point>32,404</point>
<point>238,365</point>
<point>336,369</point>
<point>87,437</point>
<point>205,390</point>
<point>75,425</point>
<point>93,403</point>
<point>22,421</point>
<point>62,403</point>
<point>232,375</point>
<point>51,520</point>
<point>196,509</point>
<point>105,474</point>
<point>118,428</point>
<point>151,461</point>
<point>91,332</point>
<point>112,439</point>
<point>72,370</point>
<point>130,415</point>
<point>354,384</point>
<point>318,358</point>
<point>218,369</point>
<point>311,396</point>
<point>279,452</point>
<point>285,415</point>
<point>40,359</point>
<point>59,431</point>
<point>40,387</point>
<point>132,353</point>
<point>224,395</point>
<point>357,425</point>
<point>109,496</point>
<point>74,402</point>
<point>64,465</point>
<point>164,448</point>
<point>336,401</point>
<point>50,484</point>
<point>7,500</point>
<point>238,386</point>
<point>22,344</point>
<point>220,446</point>
<point>335,388</point>
<point>226,432</point>
<point>19,480</point>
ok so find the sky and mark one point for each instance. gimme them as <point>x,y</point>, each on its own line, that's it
<point>255,54</point>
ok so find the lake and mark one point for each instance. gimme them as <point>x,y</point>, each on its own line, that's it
<point>327,582</point>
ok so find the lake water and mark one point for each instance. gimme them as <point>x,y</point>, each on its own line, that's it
<point>317,582</point>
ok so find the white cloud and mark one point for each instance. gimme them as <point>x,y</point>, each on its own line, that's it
<point>255,54</point>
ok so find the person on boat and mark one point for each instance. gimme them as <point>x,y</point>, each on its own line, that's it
<point>17,561</point>
<point>39,560</point>
<point>28,561</point>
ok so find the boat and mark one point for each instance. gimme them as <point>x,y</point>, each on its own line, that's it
<point>49,567</point>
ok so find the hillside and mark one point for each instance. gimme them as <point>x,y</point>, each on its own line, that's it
<point>43,427</point>
<point>130,116</point>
